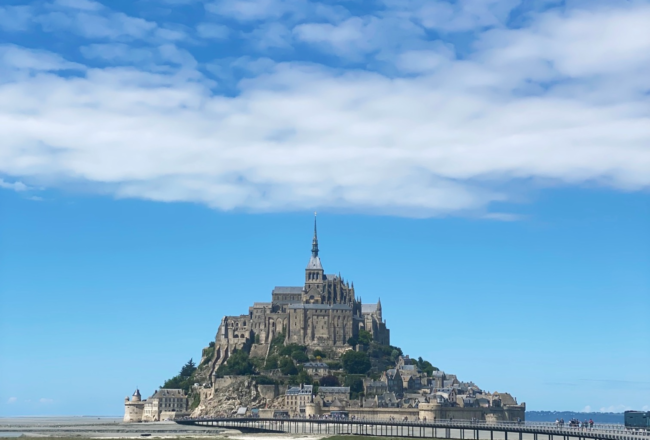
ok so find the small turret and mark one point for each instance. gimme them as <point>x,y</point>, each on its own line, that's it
<point>136,396</point>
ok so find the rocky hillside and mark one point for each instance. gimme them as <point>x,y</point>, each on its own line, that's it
<point>231,394</point>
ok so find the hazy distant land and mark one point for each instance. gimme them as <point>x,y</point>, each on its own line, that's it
<point>551,416</point>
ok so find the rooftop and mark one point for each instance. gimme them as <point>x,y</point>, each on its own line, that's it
<point>303,389</point>
<point>287,289</point>
<point>334,390</point>
<point>315,365</point>
<point>320,306</point>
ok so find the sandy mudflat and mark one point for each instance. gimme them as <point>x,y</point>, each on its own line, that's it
<point>107,427</point>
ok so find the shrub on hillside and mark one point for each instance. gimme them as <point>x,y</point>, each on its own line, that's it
<point>238,364</point>
<point>330,381</point>
<point>356,362</point>
<point>287,367</point>
<point>319,354</point>
<point>299,356</point>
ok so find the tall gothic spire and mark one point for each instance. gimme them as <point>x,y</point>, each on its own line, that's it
<point>314,261</point>
<point>314,242</point>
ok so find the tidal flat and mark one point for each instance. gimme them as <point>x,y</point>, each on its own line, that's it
<point>105,428</point>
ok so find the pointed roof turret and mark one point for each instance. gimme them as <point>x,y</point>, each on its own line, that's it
<point>379,303</point>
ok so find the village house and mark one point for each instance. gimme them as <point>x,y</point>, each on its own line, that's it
<point>374,388</point>
<point>393,381</point>
<point>316,369</point>
<point>297,398</point>
<point>329,395</point>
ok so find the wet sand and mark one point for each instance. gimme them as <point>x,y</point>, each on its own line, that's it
<point>114,428</point>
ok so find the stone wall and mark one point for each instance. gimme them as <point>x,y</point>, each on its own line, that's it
<point>133,412</point>
<point>433,411</point>
<point>269,392</point>
<point>225,381</point>
<point>259,350</point>
<point>172,415</point>
<point>384,413</point>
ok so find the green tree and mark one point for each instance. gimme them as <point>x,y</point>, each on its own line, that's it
<point>287,366</point>
<point>271,362</point>
<point>301,377</point>
<point>356,362</point>
<point>288,349</point>
<point>365,337</point>
<point>356,385</point>
<point>330,381</point>
<point>319,353</point>
<point>184,379</point>
<point>264,380</point>
<point>352,341</point>
<point>334,365</point>
<point>238,364</point>
<point>426,366</point>
<point>188,369</point>
<point>208,352</point>
<point>299,356</point>
<point>278,340</point>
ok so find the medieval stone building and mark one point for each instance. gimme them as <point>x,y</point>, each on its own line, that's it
<point>322,313</point>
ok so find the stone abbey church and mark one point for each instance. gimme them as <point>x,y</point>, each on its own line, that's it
<point>324,313</point>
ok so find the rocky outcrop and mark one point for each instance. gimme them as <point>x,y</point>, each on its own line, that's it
<point>231,393</point>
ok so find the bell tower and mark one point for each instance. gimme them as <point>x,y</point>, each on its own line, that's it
<point>314,273</point>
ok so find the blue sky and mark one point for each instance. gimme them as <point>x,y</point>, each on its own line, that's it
<point>482,166</point>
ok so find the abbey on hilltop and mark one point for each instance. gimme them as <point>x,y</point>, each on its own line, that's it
<point>315,350</point>
<point>324,312</point>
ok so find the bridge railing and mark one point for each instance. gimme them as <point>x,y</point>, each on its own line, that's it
<point>540,427</point>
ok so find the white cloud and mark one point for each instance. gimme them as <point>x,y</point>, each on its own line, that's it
<point>12,399</point>
<point>271,35</point>
<point>89,24</point>
<point>16,186</point>
<point>212,30</point>
<point>578,43</point>
<point>15,18</point>
<point>586,409</point>
<point>267,10</point>
<point>15,57</point>
<point>449,138</point>
<point>118,53</point>
<point>167,34</point>
<point>457,16</point>
<point>84,5</point>
<point>423,61</point>
<point>357,36</point>
<point>45,400</point>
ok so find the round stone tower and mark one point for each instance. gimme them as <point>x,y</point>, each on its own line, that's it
<point>134,408</point>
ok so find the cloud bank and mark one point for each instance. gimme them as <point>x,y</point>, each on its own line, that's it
<point>416,108</point>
